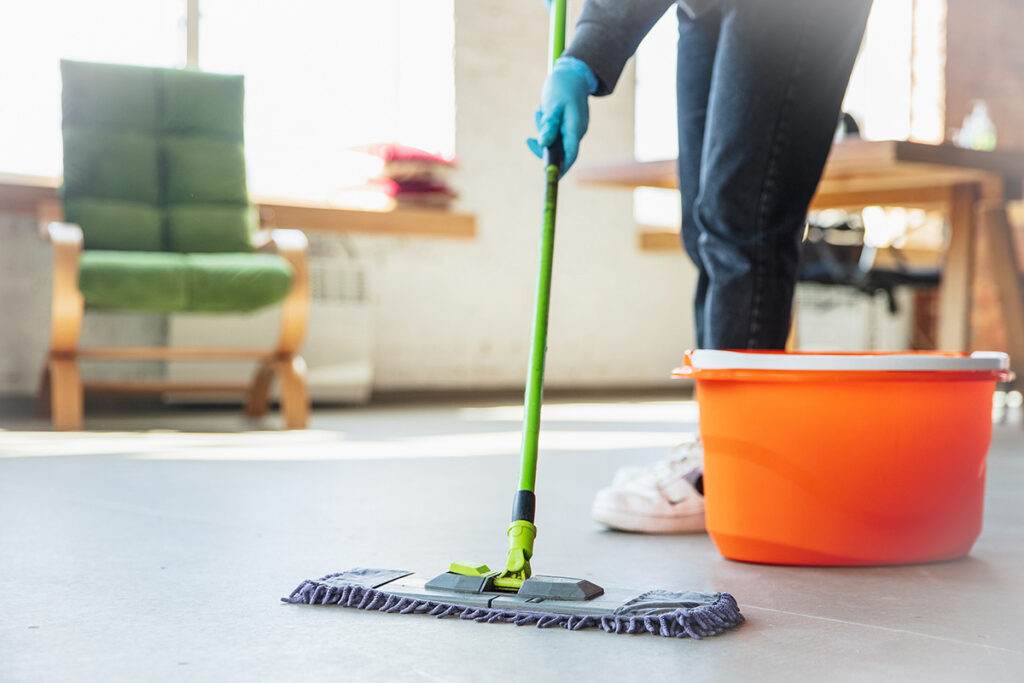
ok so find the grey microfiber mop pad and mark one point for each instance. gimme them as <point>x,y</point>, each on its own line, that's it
<point>663,613</point>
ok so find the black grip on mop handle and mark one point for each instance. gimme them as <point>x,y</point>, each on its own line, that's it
<point>523,506</point>
<point>554,155</point>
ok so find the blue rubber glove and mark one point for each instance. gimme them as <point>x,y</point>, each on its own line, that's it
<point>564,111</point>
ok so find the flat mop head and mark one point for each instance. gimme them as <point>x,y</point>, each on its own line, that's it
<point>663,613</point>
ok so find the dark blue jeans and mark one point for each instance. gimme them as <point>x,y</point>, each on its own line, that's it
<point>760,87</point>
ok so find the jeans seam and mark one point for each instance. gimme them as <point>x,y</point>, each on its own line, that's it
<point>768,184</point>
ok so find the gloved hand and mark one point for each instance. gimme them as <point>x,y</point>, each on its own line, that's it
<point>564,111</point>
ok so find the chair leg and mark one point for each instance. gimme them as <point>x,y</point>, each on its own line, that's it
<point>294,392</point>
<point>65,384</point>
<point>257,402</point>
<point>1007,274</point>
<point>44,396</point>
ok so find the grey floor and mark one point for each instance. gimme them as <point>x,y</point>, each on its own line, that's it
<point>161,555</point>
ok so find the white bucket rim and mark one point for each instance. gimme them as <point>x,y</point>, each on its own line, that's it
<point>979,361</point>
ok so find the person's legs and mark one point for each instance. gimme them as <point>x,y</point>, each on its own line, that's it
<point>780,72</point>
<point>698,39</point>
<point>764,128</point>
<point>667,498</point>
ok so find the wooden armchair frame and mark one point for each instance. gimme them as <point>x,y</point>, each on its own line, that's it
<point>62,388</point>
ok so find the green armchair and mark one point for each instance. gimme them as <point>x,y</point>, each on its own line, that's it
<point>156,218</point>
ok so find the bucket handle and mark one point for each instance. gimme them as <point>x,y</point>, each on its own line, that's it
<point>685,370</point>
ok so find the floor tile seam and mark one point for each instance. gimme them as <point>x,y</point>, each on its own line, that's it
<point>746,606</point>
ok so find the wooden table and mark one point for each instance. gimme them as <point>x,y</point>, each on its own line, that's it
<point>971,186</point>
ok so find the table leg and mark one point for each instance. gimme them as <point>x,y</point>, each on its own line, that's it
<point>1006,271</point>
<point>955,291</point>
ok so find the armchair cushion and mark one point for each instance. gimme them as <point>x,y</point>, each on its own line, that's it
<point>210,228</point>
<point>102,95</point>
<point>237,282</point>
<point>169,141</point>
<point>133,280</point>
<point>204,170</point>
<point>154,172</point>
<point>198,103</point>
<point>164,282</point>
<point>116,224</point>
<point>109,164</point>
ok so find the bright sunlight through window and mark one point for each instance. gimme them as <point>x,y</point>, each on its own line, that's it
<point>36,35</point>
<point>322,76</point>
<point>879,95</point>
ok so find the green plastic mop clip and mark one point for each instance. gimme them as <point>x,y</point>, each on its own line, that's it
<point>520,549</point>
<point>517,569</point>
<point>470,569</point>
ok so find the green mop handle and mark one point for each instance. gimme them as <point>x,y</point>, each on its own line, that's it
<point>522,531</point>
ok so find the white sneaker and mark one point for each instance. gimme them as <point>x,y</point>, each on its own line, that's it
<point>660,499</point>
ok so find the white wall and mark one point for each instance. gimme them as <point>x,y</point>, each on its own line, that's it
<point>457,314</point>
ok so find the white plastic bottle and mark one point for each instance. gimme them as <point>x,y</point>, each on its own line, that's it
<point>978,130</point>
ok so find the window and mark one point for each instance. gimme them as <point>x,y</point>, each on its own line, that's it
<point>655,119</point>
<point>35,35</point>
<point>895,90</point>
<point>322,76</point>
<point>878,96</point>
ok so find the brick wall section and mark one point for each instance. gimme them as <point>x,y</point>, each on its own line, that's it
<point>985,60</point>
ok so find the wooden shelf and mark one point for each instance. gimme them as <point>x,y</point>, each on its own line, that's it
<point>660,239</point>
<point>399,221</point>
<point>24,194</point>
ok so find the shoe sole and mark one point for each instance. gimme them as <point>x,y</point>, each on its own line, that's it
<point>650,524</point>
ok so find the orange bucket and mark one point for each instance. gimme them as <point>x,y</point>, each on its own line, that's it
<point>844,459</point>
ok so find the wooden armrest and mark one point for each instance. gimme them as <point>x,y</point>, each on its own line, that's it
<point>262,242</point>
<point>54,229</point>
<point>281,241</point>
<point>293,241</point>
<point>294,247</point>
<point>67,303</point>
<point>62,235</point>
